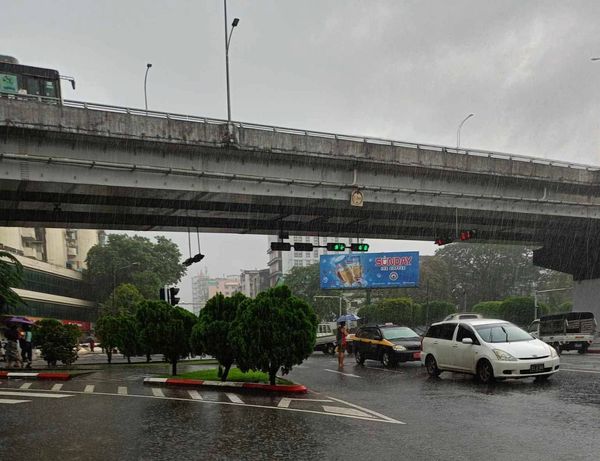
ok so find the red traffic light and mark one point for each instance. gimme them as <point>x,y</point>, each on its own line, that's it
<point>467,235</point>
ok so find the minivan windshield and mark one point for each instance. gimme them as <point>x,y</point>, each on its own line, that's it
<point>502,333</point>
<point>399,333</point>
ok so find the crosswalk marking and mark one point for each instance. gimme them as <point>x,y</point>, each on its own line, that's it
<point>25,385</point>
<point>89,388</point>
<point>195,395</point>
<point>157,391</point>
<point>122,390</point>
<point>12,401</point>
<point>35,394</point>
<point>57,387</point>
<point>234,398</point>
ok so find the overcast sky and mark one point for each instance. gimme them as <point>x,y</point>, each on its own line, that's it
<point>407,70</point>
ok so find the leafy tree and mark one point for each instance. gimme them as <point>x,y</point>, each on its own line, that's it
<point>275,330</point>
<point>304,282</point>
<point>126,298</point>
<point>518,310</point>
<point>135,260</point>
<point>564,307</point>
<point>176,334</point>
<point>489,309</point>
<point>211,334</point>
<point>57,342</point>
<point>128,341</point>
<point>11,274</point>
<point>149,315</point>
<point>402,311</point>
<point>108,330</point>
<point>436,311</point>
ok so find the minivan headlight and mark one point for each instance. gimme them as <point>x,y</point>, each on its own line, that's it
<point>504,356</point>
<point>399,347</point>
<point>553,352</point>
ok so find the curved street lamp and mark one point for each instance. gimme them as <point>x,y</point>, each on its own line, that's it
<point>459,128</point>
<point>228,35</point>
<point>148,66</point>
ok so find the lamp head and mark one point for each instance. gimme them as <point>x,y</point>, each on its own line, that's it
<point>235,22</point>
<point>148,65</point>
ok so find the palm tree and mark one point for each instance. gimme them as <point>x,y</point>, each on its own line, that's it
<point>11,274</point>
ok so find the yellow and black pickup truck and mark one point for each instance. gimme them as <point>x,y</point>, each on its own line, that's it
<point>387,343</point>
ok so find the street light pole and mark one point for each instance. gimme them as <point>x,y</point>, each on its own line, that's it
<point>460,128</point>
<point>148,66</point>
<point>227,43</point>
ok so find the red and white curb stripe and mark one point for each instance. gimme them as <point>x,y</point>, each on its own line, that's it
<point>23,375</point>
<point>292,388</point>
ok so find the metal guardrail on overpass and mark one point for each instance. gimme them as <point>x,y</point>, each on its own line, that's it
<point>317,134</point>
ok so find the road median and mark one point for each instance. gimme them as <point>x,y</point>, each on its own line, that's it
<point>200,383</point>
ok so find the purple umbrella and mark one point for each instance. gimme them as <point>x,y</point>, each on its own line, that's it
<point>17,319</point>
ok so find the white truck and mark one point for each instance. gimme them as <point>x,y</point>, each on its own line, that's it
<point>326,338</point>
<point>567,331</point>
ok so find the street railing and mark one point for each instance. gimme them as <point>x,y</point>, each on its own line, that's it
<point>308,133</point>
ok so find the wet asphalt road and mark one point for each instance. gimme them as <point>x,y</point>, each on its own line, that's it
<point>110,414</point>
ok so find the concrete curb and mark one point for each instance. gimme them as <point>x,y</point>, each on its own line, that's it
<point>44,376</point>
<point>278,388</point>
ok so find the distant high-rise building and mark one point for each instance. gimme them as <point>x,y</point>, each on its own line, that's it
<point>205,287</point>
<point>281,262</point>
<point>252,282</point>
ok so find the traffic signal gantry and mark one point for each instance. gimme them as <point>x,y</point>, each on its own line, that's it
<point>331,246</point>
<point>463,235</point>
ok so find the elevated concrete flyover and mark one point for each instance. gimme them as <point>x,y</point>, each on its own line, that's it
<point>89,165</point>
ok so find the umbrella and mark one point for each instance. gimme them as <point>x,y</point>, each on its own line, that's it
<point>17,319</point>
<point>348,318</point>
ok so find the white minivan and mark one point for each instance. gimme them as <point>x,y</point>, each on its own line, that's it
<point>489,349</point>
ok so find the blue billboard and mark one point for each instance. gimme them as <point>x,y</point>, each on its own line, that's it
<point>370,270</point>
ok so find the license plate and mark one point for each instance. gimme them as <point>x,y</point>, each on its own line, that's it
<point>538,367</point>
<point>417,355</point>
<point>577,345</point>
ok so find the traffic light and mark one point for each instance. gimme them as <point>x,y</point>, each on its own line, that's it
<point>359,247</point>
<point>336,246</point>
<point>443,241</point>
<point>173,299</point>
<point>467,235</point>
<point>163,294</point>
<point>281,246</point>
<point>195,259</point>
<point>303,247</point>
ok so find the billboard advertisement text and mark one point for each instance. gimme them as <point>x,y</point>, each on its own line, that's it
<point>370,270</point>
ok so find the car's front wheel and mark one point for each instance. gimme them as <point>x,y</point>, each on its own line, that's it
<point>360,358</point>
<point>485,372</point>
<point>330,349</point>
<point>432,367</point>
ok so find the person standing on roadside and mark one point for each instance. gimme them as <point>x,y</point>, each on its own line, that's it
<point>26,348</point>
<point>342,332</point>
<point>12,348</point>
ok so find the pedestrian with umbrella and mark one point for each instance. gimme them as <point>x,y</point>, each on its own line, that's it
<point>12,349</point>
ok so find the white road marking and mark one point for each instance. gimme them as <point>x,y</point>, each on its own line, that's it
<point>12,402</point>
<point>157,391</point>
<point>195,395</point>
<point>579,370</point>
<point>35,394</point>
<point>234,398</point>
<point>384,419</point>
<point>346,411</point>
<point>285,401</point>
<point>345,374</point>
<point>25,385</point>
<point>122,390</point>
<point>384,369</point>
<point>57,387</point>
<point>89,389</point>
<point>379,415</point>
